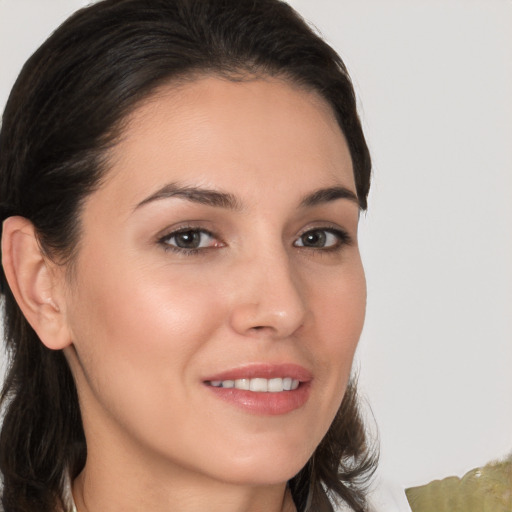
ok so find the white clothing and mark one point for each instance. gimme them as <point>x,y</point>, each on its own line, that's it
<point>388,497</point>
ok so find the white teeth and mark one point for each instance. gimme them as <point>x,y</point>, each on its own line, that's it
<point>259,385</point>
<point>243,383</point>
<point>275,385</point>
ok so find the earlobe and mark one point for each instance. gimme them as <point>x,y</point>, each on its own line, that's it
<point>33,282</point>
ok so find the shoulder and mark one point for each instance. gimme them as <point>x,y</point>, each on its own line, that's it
<point>388,496</point>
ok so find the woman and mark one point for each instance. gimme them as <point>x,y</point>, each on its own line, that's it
<point>181,186</point>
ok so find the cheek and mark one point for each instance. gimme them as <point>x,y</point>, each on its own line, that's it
<point>137,342</point>
<point>339,308</point>
<point>338,302</point>
<point>343,319</point>
<point>132,287</point>
<point>146,328</point>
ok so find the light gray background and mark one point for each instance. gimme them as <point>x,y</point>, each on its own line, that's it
<point>435,85</point>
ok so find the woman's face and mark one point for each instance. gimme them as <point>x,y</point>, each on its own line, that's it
<point>220,254</point>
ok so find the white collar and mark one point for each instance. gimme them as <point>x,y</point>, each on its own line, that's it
<point>69,502</point>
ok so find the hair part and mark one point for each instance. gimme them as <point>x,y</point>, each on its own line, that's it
<point>66,110</point>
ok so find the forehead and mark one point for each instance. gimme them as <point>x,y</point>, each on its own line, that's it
<point>220,133</point>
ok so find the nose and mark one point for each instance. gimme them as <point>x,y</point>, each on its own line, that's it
<point>269,299</point>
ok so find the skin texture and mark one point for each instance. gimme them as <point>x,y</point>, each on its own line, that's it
<point>143,325</point>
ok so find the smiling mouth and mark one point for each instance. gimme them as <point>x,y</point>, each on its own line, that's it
<point>258,384</point>
<point>263,389</point>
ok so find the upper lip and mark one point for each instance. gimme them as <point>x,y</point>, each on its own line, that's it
<point>265,371</point>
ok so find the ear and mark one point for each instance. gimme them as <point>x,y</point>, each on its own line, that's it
<point>35,282</point>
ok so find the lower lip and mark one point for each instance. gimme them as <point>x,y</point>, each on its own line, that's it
<point>269,404</point>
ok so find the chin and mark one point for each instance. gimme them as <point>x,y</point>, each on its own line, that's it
<point>271,474</point>
<point>268,468</point>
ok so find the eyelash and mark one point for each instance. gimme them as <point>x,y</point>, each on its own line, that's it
<point>164,241</point>
<point>343,239</point>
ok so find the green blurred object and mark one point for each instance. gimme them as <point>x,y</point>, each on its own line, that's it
<point>487,489</point>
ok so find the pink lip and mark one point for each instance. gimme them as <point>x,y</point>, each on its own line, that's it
<point>265,371</point>
<point>267,404</point>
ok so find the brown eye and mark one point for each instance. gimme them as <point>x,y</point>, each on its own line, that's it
<point>322,239</point>
<point>190,240</point>
<point>315,238</point>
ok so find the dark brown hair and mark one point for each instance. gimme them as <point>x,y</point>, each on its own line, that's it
<point>64,113</point>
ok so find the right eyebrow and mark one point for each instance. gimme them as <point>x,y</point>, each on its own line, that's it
<point>199,195</point>
<point>329,194</point>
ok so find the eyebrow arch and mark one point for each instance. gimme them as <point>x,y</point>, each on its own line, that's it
<point>196,195</point>
<point>326,195</point>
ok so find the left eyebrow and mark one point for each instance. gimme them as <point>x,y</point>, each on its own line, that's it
<point>326,195</point>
